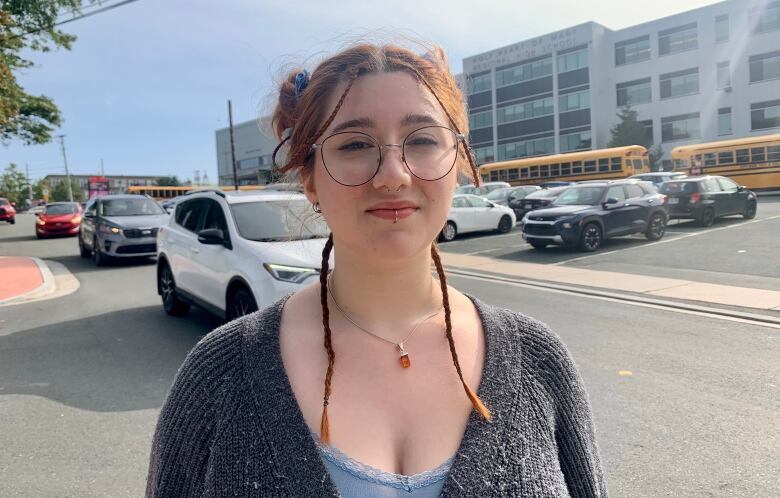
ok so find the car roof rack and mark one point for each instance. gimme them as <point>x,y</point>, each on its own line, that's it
<point>206,190</point>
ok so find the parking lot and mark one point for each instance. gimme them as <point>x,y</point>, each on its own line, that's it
<point>685,405</point>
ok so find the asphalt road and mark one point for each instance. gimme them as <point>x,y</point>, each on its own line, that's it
<point>684,406</point>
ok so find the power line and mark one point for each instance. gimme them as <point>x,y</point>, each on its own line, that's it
<point>75,18</point>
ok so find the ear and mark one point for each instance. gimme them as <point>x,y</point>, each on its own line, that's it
<point>308,188</point>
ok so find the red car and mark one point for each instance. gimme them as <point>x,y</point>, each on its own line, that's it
<point>7,211</point>
<point>60,218</point>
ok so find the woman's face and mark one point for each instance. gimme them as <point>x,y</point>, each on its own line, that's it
<point>388,107</point>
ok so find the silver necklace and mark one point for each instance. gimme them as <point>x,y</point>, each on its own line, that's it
<point>404,358</point>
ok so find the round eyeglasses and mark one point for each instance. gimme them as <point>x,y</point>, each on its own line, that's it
<point>353,158</point>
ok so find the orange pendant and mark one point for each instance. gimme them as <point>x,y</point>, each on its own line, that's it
<point>405,361</point>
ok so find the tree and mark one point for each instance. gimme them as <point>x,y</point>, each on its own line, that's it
<point>13,185</point>
<point>168,181</point>
<point>25,26</point>
<point>38,188</point>
<point>60,192</point>
<point>629,131</point>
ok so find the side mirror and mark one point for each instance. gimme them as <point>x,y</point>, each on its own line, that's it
<point>609,202</point>
<point>89,215</point>
<point>740,188</point>
<point>37,214</point>
<point>211,236</point>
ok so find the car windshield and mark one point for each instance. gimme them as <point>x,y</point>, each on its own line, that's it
<point>3,202</point>
<point>61,209</point>
<point>269,221</point>
<point>545,192</point>
<point>677,187</point>
<point>581,196</point>
<point>464,189</point>
<point>130,207</point>
<point>500,194</point>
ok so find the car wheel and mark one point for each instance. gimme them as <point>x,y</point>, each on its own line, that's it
<point>12,221</point>
<point>538,245</point>
<point>241,303</point>
<point>707,218</point>
<point>750,211</point>
<point>590,240</point>
<point>97,255</point>
<point>170,300</point>
<point>449,232</point>
<point>656,227</point>
<point>504,224</point>
<point>83,251</point>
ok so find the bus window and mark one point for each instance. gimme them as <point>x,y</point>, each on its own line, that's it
<point>502,175</point>
<point>726,157</point>
<point>615,163</point>
<point>637,164</point>
<point>565,169</point>
<point>645,163</point>
<point>743,156</point>
<point>590,166</point>
<point>544,171</point>
<point>484,178</point>
<point>555,169</point>
<point>757,154</point>
<point>773,153</point>
<point>680,163</point>
<point>603,164</point>
<point>709,159</point>
<point>513,174</point>
<point>534,171</point>
<point>576,167</point>
<point>494,176</point>
<point>697,161</point>
<point>524,173</point>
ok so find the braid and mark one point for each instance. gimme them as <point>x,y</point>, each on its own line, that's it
<point>475,401</point>
<point>324,425</point>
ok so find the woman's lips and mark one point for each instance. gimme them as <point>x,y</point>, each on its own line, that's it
<point>392,214</point>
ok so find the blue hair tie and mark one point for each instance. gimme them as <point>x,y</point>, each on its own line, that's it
<point>301,82</point>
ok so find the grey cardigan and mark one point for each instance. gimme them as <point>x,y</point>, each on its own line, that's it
<point>231,426</point>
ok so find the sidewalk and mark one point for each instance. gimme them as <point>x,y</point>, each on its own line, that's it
<point>21,278</point>
<point>652,286</point>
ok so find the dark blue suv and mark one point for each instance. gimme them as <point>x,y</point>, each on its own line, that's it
<point>585,215</point>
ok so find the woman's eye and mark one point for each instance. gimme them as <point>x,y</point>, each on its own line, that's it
<point>422,141</point>
<point>357,145</point>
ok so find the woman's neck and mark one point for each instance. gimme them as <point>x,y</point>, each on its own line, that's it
<point>389,297</point>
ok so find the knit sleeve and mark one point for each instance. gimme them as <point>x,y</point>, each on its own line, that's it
<point>575,433</point>
<point>191,415</point>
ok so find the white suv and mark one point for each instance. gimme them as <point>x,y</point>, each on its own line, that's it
<point>235,252</point>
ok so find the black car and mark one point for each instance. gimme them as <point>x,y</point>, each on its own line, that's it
<point>659,177</point>
<point>505,196</point>
<point>706,198</point>
<point>535,200</point>
<point>585,215</point>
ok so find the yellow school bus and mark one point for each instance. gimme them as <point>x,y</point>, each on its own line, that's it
<point>753,162</point>
<point>601,164</point>
<point>162,193</point>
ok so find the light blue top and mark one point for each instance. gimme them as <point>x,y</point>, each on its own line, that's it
<point>357,480</point>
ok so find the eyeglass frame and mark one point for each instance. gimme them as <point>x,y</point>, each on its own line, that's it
<point>459,138</point>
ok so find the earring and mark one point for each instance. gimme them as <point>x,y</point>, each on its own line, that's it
<point>316,207</point>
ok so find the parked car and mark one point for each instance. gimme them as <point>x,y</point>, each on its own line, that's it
<point>505,196</point>
<point>658,177</point>
<point>235,252</point>
<point>58,218</point>
<point>120,226</point>
<point>169,204</point>
<point>483,189</point>
<point>467,189</point>
<point>7,211</point>
<point>37,209</point>
<point>472,213</point>
<point>706,198</point>
<point>556,184</point>
<point>586,215</point>
<point>536,200</point>
<point>284,187</point>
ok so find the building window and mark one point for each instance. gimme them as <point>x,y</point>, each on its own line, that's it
<point>527,148</point>
<point>722,28</point>
<point>634,92</point>
<point>648,126</point>
<point>477,84</point>
<point>765,115</point>
<point>524,72</point>
<point>484,154</point>
<point>574,101</point>
<point>480,120</point>
<point>764,66</point>
<point>680,83</point>
<point>573,60</point>
<point>679,39</point>
<point>724,121</point>
<point>723,75</point>
<point>525,110</point>
<point>682,127</point>
<point>766,18</point>
<point>575,141</point>
<point>634,50</point>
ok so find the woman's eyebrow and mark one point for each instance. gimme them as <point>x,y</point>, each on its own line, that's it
<point>354,123</point>
<point>411,119</point>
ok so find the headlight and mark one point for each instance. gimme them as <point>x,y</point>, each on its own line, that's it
<point>40,221</point>
<point>525,219</point>
<point>293,274</point>
<point>77,219</point>
<point>106,228</point>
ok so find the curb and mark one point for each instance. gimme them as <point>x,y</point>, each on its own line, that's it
<point>48,286</point>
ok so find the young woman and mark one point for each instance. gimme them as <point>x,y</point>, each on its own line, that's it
<point>378,380</point>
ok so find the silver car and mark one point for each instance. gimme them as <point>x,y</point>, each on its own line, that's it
<point>120,226</point>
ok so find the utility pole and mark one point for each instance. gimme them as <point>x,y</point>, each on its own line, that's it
<point>102,170</point>
<point>29,183</point>
<point>232,146</point>
<point>67,173</point>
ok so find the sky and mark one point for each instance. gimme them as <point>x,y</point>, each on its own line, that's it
<point>146,85</point>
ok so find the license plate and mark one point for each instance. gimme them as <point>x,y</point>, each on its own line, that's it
<point>529,206</point>
<point>674,200</point>
<point>146,232</point>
